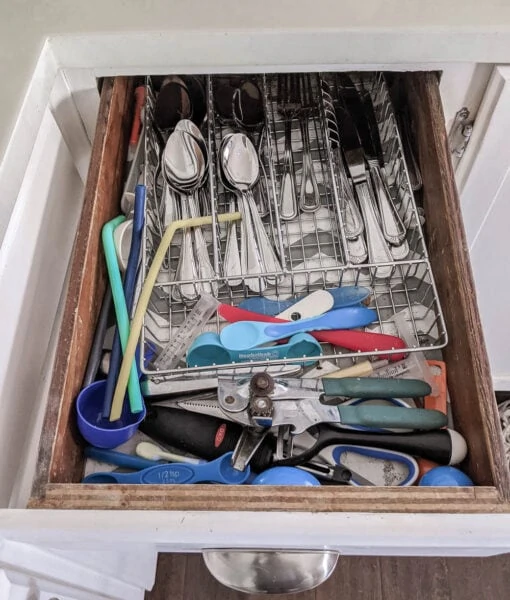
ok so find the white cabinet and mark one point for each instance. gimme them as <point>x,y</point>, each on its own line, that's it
<point>76,554</point>
<point>484,186</point>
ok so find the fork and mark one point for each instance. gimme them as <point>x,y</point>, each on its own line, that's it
<point>378,251</point>
<point>309,197</point>
<point>288,104</point>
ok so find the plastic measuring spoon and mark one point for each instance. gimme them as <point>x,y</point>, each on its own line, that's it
<point>244,335</point>
<point>216,471</point>
<point>343,297</point>
<point>359,341</point>
<point>207,350</point>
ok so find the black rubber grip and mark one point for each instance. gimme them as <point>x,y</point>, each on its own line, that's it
<point>202,435</point>
<point>433,445</point>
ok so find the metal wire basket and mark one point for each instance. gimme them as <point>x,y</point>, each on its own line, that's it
<point>313,249</point>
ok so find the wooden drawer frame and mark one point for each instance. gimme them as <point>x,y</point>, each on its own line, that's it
<point>60,461</point>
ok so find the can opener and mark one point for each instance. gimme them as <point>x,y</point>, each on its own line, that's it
<point>261,402</point>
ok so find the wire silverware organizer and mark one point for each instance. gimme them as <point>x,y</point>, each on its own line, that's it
<point>312,248</point>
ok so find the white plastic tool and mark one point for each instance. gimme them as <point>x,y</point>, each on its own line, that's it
<point>153,452</point>
<point>313,305</point>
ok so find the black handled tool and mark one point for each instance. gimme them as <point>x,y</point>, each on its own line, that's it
<point>202,435</point>
<point>446,447</point>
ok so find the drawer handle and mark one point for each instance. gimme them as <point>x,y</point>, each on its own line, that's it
<point>270,571</point>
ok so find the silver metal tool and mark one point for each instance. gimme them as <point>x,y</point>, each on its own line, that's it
<point>262,402</point>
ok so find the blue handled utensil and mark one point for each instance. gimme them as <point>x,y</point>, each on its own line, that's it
<point>343,297</point>
<point>216,471</point>
<point>129,294</point>
<point>120,459</point>
<point>382,467</point>
<point>244,335</point>
<point>207,350</point>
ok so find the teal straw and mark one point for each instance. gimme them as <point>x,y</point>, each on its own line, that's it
<point>121,313</point>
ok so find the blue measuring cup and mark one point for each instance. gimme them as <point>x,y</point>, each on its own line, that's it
<point>207,350</point>
<point>216,471</point>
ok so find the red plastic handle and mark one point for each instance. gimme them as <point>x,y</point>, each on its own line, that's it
<point>358,341</point>
<point>137,120</point>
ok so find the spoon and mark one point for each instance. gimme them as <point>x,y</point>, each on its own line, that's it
<point>184,165</point>
<point>217,471</point>
<point>232,261</point>
<point>342,297</point>
<point>240,165</point>
<point>196,92</point>
<point>183,161</point>
<point>250,258</point>
<point>207,350</point>
<point>172,104</point>
<point>244,335</point>
<point>205,269</point>
<point>248,113</point>
<point>189,127</point>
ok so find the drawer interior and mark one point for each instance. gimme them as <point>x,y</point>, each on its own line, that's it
<point>61,459</point>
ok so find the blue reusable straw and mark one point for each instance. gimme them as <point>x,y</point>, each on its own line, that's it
<point>129,293</point>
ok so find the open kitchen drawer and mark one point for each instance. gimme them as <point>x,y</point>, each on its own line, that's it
<point>61,461</point>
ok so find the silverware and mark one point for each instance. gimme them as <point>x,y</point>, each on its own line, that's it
<point>350,214</point>
<point>309,197</point>
<point>240,168</point>
<point>378,251</point>
<point>359,104</point>
<point>185,162</point>
<point>186,267</point>
<point>287,105</point>
<point>232,257</point>
<point>392,226</point>
<point>248,114</point>
<point>204,266</point>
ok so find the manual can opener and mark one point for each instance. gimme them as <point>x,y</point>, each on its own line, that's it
<point>263,402</point>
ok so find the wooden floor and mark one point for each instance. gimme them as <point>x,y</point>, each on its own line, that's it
<point>185,577</point>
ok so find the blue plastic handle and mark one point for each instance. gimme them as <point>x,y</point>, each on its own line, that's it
<point>119,458</point>
<point>129,293</point>
<point>121,313</point>
<point>216,471</point>
<point>343,297</point>
<point>341,318</point>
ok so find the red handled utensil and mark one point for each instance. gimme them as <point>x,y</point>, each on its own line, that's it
<point>137,121</point>
<point>358,341</point>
